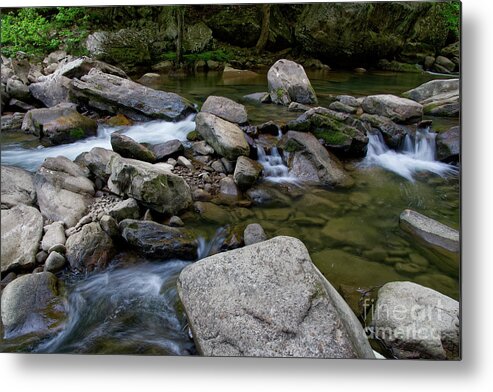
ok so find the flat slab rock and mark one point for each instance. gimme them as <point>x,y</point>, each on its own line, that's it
<point>268,299</point>
<point>430,230</point>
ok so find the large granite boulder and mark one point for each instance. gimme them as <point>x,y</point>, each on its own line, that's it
<point>432,232</point>
<point>288,83</point>
<point>340,132</point>
<point>159,241</point>
<point>21,231</point>
<point>32,304</point>
<point>97,161</point>
<point>400,110</point>
<point>268,299</point>
<point>90,248</point>
<point>310,162</point>
<point>417,322</point>
<point>129,148</point>
<point>63,190</point>
<point>17,187</point>
<point>59,124</point>
<point>226,138</point>
<point>448,145</point>
<point>113,94</point>
<point>152,185</point>
<point>439,97</point>
<point>225,108</point>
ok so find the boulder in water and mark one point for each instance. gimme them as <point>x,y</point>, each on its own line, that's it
<point>247,172</point>
<point>288,83</point>
<point>291,310</point>
<point>21,231</point>
<point>439,97</point>
<point>225,108</point>
<point>400,110</point>
<point>17,187</point>
<point>417,322</point>
<point>448,145</point>
<point>159,241</point>
<point>129,148</point>
<point>31,304</point>
<point>253,234</point>
<point>90,248</point>
<point>152,185</point>
<point>392,133</point>
<point>113,94</point>
<point>226,138</point>
<point>97,161</point>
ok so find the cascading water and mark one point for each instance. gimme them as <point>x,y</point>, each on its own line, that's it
<point>151,132</point>
<point>131,307</point>
<point>417,155</point>
<point>273,165</point>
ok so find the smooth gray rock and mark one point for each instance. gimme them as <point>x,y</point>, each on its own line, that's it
<point>98,162</point>
<point>310,162</point>
<point>432,232</point>
<point>175,221</point>
<point>159,241</point>
<point>63,190</point>
<point>90,248</point>
<point>228,189</point>
<point>129,148</point>
<point>269,300</point>
<point>417,322</point>
<point>113,94</point>
<point>52,91</point>
<point>55,234</point>
<point>287,82</point>
<point>226,138</point>
<point>400,110</point>
<point>258,97</point>
<point>17,187</point>
<point>247,172</point>
<point>253,234</point>
<point>17,89</point>
<point>202,148</point>
<point>110,226</point>
<point>21,231</point>
<point>225,108</point>
<point>171,148</point>
<point>55,262</point>
<point>125,209</point>
<point>31,304</point>
<point>433,88</point>
<point>184,162</point>
<point>348,100</point>
<point>153,186</point>
<point>444,62</point>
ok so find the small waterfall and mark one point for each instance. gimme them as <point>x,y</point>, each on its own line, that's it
<point>417,155</point>
<point>150,132</point>
<point>273,165</point>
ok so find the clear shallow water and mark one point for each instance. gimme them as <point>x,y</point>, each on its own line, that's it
<point>353,235</point>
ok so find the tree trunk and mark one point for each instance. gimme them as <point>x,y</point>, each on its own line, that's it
<point>264,33</point>
<point>180,21</point>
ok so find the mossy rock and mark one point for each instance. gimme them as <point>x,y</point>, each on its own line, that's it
<point>194,136</point>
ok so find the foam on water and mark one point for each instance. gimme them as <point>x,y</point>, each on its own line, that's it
<point>150,132</point>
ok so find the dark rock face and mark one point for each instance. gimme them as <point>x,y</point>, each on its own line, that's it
<point>159,241</point>
<point>129,148</point>
<point>448,145</point>
<point>113,94</point>
<point>290,311</point>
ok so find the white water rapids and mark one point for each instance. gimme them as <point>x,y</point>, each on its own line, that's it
<point>151,132</point>
<point>417,155</point>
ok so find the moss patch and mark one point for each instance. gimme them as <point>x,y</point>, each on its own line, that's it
<point>77,133</point>
<point>332,138</point>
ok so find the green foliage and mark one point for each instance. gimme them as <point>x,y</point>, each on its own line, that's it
<point>216,55</point>
<point>77,133</point>
<point>451,13</point>
<point>38,31</point>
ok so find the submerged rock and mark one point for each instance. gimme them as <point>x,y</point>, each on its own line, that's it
<point>253,234</point>
<point>417,322</point>
<point>90,248</point>
<point>432,232</point>
<point>21,231</point>
<point>310,162</point>
<point>159,241</point>
<point>17,187</point>
<point>226,138</point>
<point>288,83</point>
<point>152,185</point>
<point>400,110</point>
<point>31,304</point>
<point>258,97</point>
<point>268,299</point>
<point>113,94</point>
<point>225,108</point>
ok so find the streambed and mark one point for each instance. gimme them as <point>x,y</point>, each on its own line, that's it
<point>352,234</point>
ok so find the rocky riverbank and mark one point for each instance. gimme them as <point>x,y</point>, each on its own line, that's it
<point>74,216</point>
